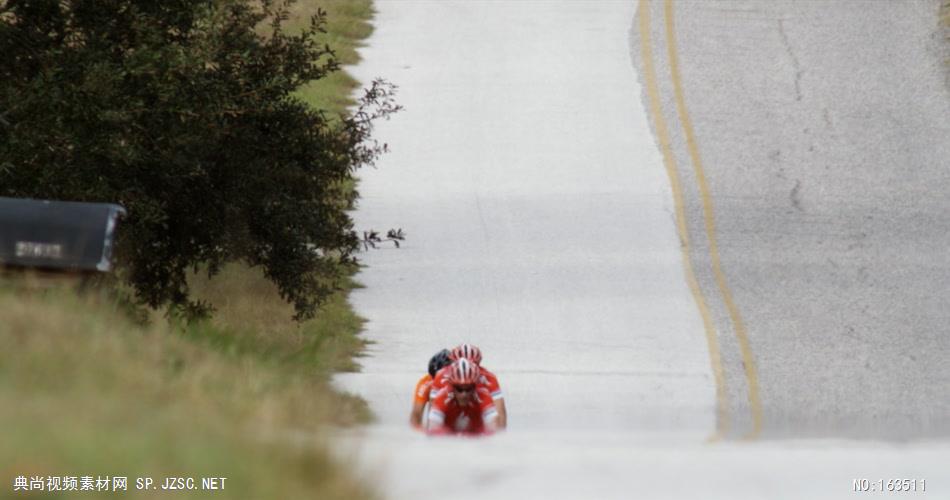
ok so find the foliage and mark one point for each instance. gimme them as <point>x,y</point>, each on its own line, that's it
<point>372,238</point>
<point>185,113</point>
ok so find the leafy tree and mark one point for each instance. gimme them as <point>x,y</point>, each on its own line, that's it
<point>184,112</point>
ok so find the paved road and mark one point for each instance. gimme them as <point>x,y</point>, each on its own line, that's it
<point>823,129</point>
<point>538,218</point>
<point>544,225</point>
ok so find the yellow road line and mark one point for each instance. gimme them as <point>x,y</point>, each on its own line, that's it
<point>755,403</point>
<point>663,136</point>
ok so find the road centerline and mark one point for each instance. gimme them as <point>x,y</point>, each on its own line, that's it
<point>669,162</point>
<point>755,404</point>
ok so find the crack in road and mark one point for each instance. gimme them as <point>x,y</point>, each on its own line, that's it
<point>795,64</point>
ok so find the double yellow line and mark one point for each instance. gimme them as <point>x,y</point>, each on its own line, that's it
<point>669,161</point>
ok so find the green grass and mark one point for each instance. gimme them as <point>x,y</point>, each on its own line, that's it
<point>86,391</point>
<point>347,26</point>
<point>251,318</point>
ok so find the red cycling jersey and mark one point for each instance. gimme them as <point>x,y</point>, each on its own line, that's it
<point>447,416</point>
<point>486,379</point>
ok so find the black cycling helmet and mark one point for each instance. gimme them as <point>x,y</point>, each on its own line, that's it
<point>438,361</point>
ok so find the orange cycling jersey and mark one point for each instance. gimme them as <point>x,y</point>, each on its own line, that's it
<point>486,379</point>
<point>423,386</point>
<point>447,416</point>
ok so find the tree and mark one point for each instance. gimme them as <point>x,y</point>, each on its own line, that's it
<point>183,111</point>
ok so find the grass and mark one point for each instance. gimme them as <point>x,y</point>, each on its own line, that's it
<point>251,318</point>
<point>347,25</point>
<point>84,391</point>
<point>87,392</point>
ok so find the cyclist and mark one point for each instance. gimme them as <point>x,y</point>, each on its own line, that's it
<point>487,379</point>
<point>462,407</point>
<point>424,387</point>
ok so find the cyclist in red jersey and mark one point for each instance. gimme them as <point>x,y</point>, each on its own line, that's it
<point>423,389</point>
<point>462,407</point>
<point>487,379</point>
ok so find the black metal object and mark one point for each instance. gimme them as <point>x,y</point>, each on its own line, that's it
<point>57,235</point>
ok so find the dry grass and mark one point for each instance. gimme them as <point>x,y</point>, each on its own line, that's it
<point>86,392</point>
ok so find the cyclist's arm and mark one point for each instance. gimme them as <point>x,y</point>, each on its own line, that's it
<point>415,418</point>
<point>419,400</point>
<point>498,397</point>
<point>501,421</point>
<point>490,419</point>
<point>435,423</point>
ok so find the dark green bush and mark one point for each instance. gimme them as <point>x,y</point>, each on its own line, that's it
<point>184,112</point>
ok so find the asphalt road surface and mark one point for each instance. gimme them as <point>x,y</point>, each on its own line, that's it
<point>823,133</point>
<point>713,271</point>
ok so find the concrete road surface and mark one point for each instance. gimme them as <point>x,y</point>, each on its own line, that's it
<point>657,328</point>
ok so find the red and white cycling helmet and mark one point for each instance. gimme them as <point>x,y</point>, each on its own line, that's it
<point>467,351</point>
<point>463,372</point>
